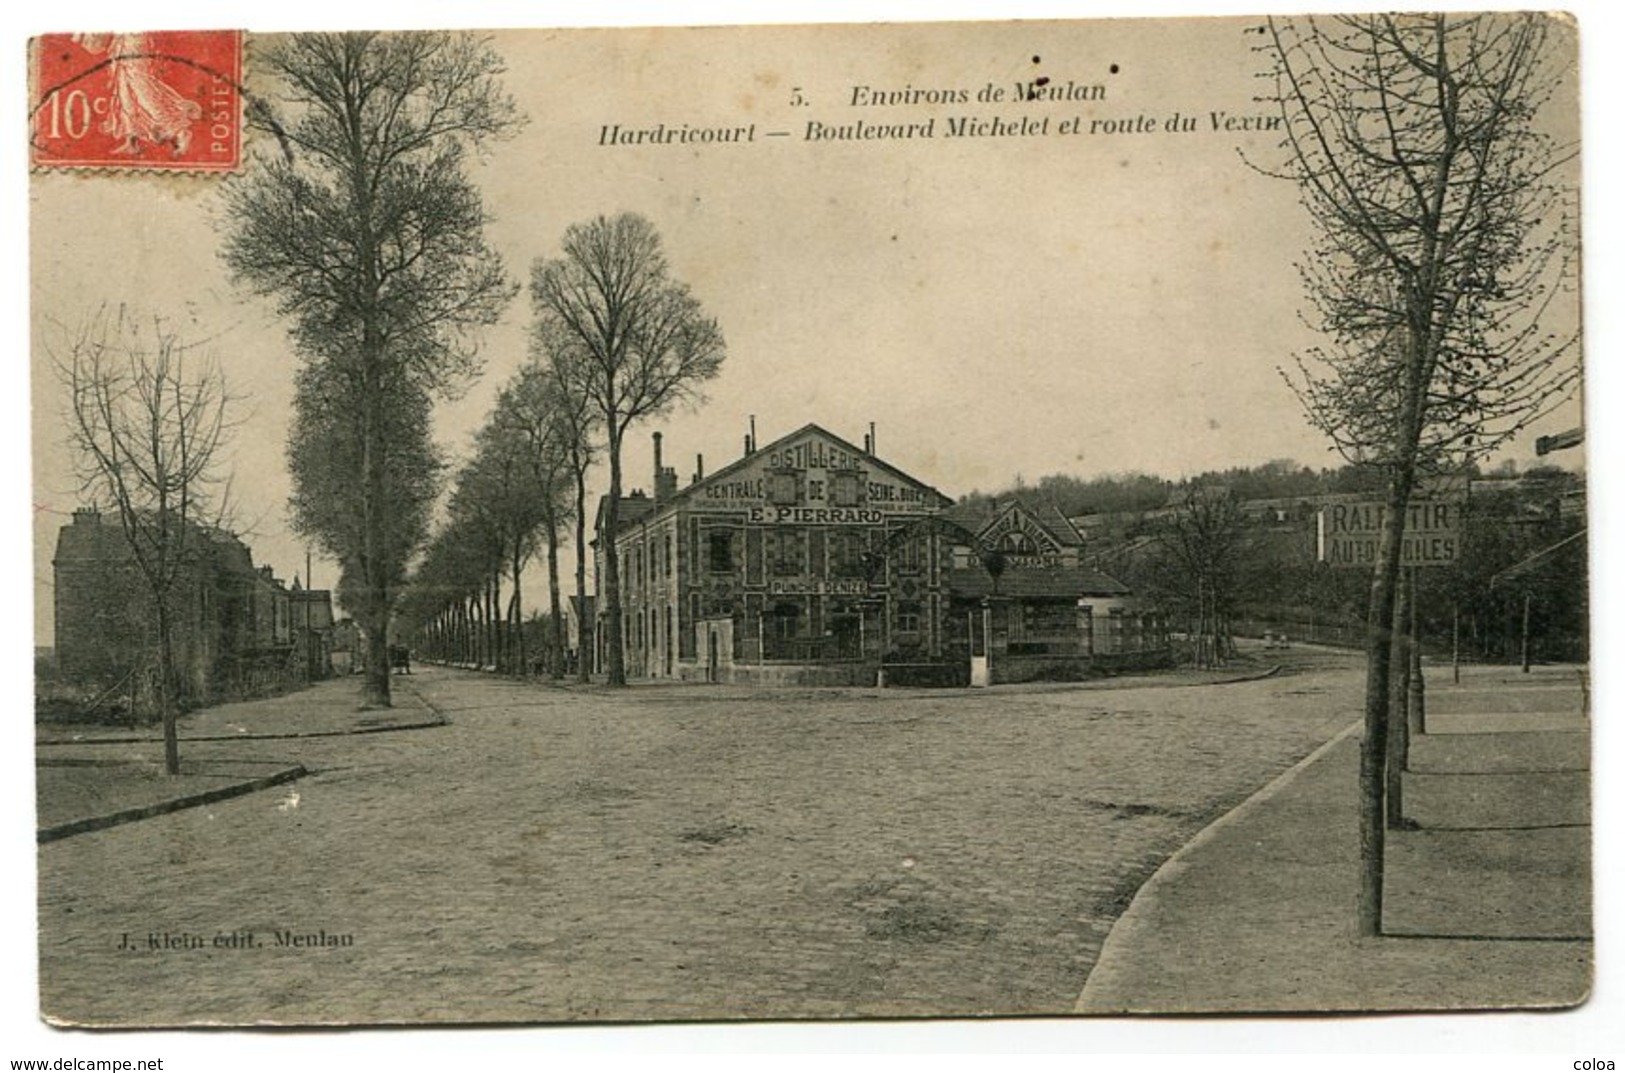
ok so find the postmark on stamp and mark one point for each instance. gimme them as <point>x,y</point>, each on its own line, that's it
<point>166,101</point>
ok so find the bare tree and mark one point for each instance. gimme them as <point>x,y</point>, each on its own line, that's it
<point>494,516</point>
<point>576,425</point>
<point>360,221</point>
<point>1443,242</point>
<point>545,424</point>
<point>641,344</point>
<point>147,422</point>
<point>1202,544</point>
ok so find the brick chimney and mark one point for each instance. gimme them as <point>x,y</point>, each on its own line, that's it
<point>87,516</point>
<point>665,477</point>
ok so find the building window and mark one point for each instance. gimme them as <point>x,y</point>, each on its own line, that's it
<point>846,553</point>
<point>908,618</point>
<point>786,621</point>
<point>846,489</point>
<point>720,551</point>
<point>1017,543</point>
<point>907,555</point>
<point>784,552</point>
<point>783,632</point>
<point>784,488</point>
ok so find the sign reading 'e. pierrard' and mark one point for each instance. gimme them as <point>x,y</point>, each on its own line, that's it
<point>1351,533</point>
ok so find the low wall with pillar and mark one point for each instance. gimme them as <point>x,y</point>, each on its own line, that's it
<point>1008,669</point>
<point>854,673</point>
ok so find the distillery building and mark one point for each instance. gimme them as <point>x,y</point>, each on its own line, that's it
<point>811,560</point>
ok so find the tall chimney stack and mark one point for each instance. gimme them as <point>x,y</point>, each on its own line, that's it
<point>699,467</point>
<point>665,478</point>
<point>871,437</point>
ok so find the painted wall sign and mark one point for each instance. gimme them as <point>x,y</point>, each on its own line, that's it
<point>817,587</point>
<point>1350,534</point>
<point>822,473</point>
<point>816,516</point>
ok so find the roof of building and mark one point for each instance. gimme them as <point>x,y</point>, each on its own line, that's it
<point>634,508</point>
<point>93,536</point>
<point>811,427</point>
<point>979,517</point>
<point>638,506</point>
<point>1066,581</point>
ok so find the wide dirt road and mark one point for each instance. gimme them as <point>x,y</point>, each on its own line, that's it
<point>671,853</point>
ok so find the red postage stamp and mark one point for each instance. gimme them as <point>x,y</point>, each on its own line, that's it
<point>168,101</point>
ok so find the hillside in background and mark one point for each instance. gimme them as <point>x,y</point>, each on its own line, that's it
<point>1521,570</point>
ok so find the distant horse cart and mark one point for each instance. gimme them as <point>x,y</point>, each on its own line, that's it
<point>400,659</point>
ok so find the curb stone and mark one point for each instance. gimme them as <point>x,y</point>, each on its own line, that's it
<point>1125,928</point>
<point>174,804</point>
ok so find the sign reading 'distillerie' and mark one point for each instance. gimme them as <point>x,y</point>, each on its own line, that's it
<point>1351,533</point>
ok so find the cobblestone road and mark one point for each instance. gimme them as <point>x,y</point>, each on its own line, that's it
<point>671,853</point>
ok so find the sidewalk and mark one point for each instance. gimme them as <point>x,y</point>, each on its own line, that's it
<point>330,707</point>
<point>91,778</point>
<point>1257,913</point>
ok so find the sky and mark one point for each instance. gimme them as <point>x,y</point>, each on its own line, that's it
<point>1034,314</point>
<point>1122,297</point>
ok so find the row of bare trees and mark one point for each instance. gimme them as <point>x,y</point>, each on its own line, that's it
<point>360,222</point>
<point>615,340</point>
<point>509,503</point>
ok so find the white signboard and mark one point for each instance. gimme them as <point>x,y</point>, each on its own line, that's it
<point>1351,533</point>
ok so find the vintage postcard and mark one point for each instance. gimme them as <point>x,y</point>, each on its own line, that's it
<point>809,522</point>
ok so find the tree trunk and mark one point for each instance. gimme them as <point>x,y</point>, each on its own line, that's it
<point>585,626</point>
<point>1398,704</point>
<point>1525,631</point>
<point>516,614</point>
<point>376,600</point>
<point>469,634</point>
<point>612,563</point>
<point>166,688</point>
<point>1416,701</point>
<point>1455,643</point>
<point>555,661</point>
<point>377,695</point>
<point>493,621</point>
<point>1379,654</point>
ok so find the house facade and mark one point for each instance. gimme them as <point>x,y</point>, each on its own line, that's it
<point>233,630</point>
<point>1032,609</point>
<point>802,562</point>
